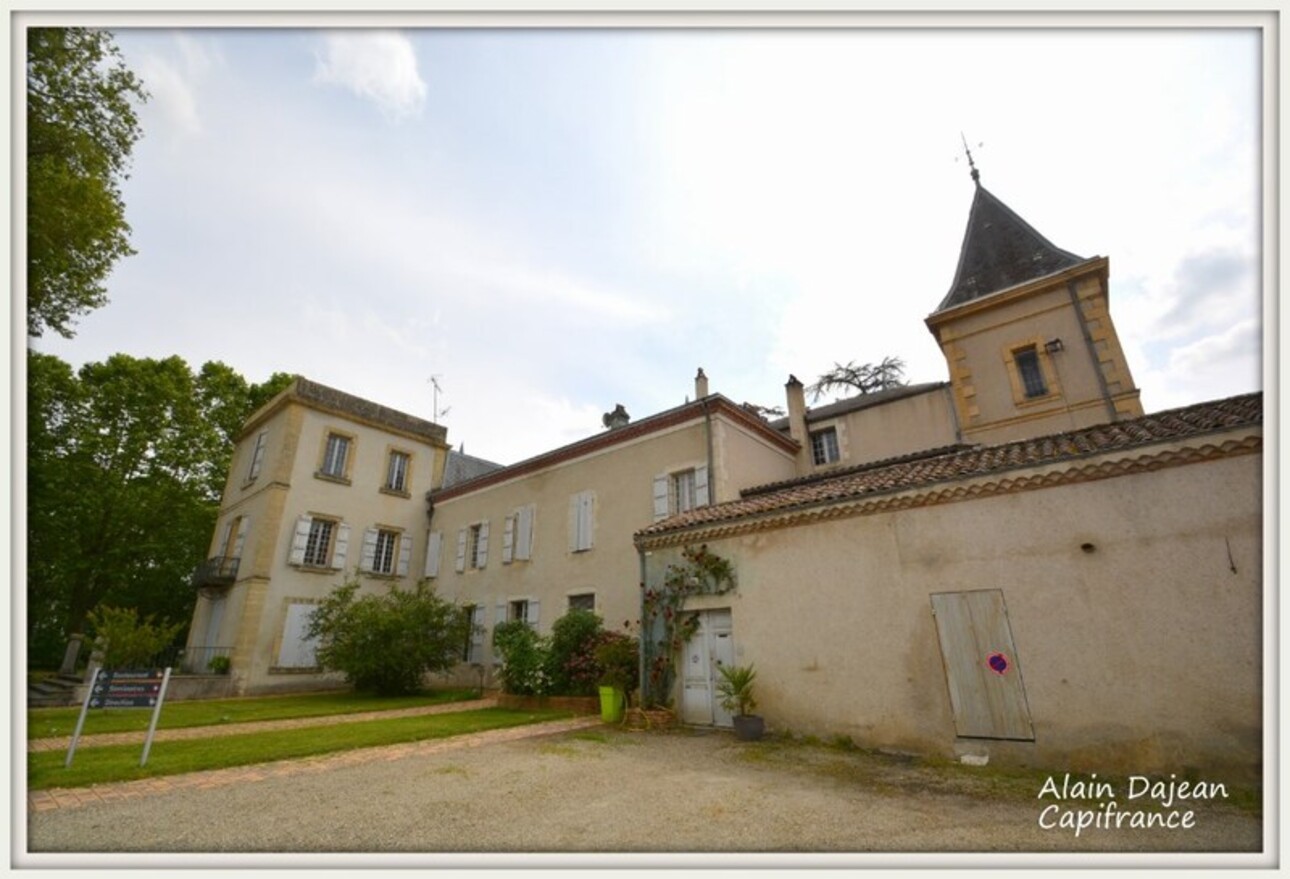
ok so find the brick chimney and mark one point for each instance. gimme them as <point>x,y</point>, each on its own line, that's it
<point>700,385</point>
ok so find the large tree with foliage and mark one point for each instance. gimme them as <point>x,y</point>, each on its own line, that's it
<point>867,378</point>
<point>81,128</point>
<point>126,464</point>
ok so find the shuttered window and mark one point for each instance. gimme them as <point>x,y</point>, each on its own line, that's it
<point>680,491</point>
<point>474,647</point>
<point>524,533</point>
<point>383,553</point>
<point>319,542</point>
<point>582,521</point>
<point>434,549</point>
<point>257,455</point>
<point>508,540</point>
<point>318,548</point>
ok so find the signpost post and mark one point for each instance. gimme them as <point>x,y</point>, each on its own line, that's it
<point>144,688</point>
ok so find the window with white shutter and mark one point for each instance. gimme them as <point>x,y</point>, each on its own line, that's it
<point>341,549</point>
<point>462,538</point>
<point>582,521</point>
<point>523,610</point>
<point>385,552</point>
<point>434,548</point>
<point>300,540</point>
<point>318,548</point>
<point>405,556</point>
<point>479,558</point>
<point>508,540</point>
<point>524,533</point>
<point>702,494</point>
<point>318,542</point>
<point>473,650</point>
<point>661,506</point>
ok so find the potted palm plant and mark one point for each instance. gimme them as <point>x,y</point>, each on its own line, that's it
<point>736,691</point>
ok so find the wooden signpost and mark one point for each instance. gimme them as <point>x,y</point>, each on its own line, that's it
<point>137,688</point>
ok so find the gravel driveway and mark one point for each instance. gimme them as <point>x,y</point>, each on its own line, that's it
<point>608,790</point>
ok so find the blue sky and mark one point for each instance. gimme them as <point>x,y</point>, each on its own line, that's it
<point>555,221</point>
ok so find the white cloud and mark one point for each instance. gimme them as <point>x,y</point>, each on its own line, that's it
<point>172,95</point>
<point>380,66</point>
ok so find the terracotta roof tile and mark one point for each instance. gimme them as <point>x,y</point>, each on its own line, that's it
<point>937,466</point>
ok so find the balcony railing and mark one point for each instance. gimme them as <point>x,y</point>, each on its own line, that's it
<point>220,570</point>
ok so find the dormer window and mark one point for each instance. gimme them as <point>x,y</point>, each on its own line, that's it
<point>824,446</point>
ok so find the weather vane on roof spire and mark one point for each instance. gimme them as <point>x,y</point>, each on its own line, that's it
<point>976,175</point>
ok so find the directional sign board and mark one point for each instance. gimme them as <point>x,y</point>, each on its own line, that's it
<point>124,688</point>
<point>127,689</point>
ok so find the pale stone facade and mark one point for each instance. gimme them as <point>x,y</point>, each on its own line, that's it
<point>322,484</point>
<point>1023,514</point>
<point>533,540</point>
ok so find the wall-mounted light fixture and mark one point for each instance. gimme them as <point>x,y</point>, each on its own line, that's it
<point>1052,346</point>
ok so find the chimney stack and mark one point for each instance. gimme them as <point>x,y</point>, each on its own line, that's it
<point>796,395</point>
<point>700,385</point>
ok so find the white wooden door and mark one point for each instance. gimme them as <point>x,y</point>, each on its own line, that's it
<point>711,647</point>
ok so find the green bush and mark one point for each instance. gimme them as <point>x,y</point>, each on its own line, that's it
<point>571,664</point>
<point>127,641</point>
<point>385,644</point>
<point>525,657</point>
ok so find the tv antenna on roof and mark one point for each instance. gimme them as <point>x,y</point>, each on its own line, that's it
<point>434,382</point>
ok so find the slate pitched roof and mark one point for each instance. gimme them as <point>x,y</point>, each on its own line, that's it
<point>460,467</point>
<point>921,470</point>
<point>1000,250</point>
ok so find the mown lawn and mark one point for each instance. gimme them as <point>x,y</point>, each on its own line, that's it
<point>99,765</point>
<point>44,723</point>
